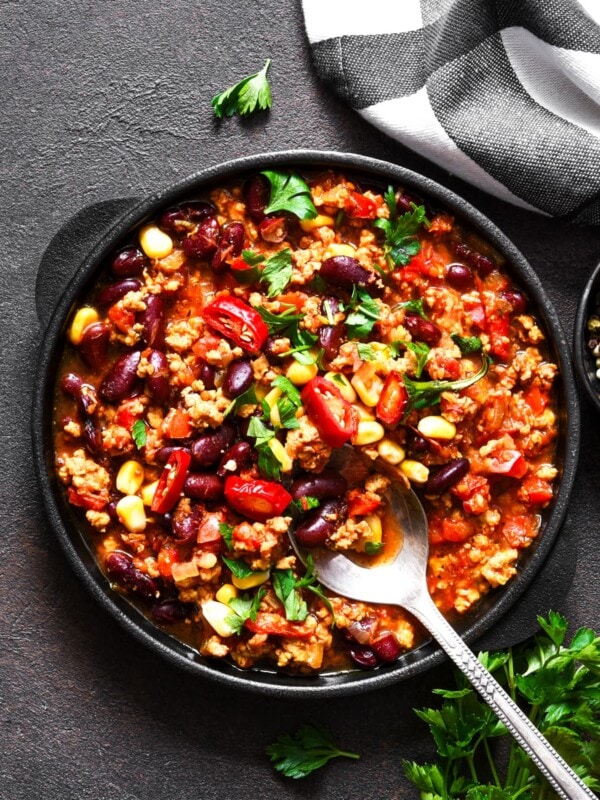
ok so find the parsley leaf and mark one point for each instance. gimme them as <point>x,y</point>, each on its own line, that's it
<point>289,193</point>
<point>427,393</point>
<point>310,748</point>
<point>306,503</point>
<point>372,548</point>
<point>251,258</point>
<point>421,351</point>
<point>280,323</point>
<point>289,402</point>
<point>243,98</point>
<point>259,431</point>
<point>268,463</point>
<point>286,589</point>
<point>138,433</point>
<point>401,241</point>
<point>247,398</point>
<point>226,532</point>
<point>364,315</point>
<point>238,567</point>
<point>366,352</point>
<point>243,608</point>
<point>414,306</point>
<point>467,344</point>
<point>278,272</point>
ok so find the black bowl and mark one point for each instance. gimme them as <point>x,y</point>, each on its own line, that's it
<point>64,520</point>
<point>585,361</point>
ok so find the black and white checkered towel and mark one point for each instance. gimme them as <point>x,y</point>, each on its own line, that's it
<point>503,93</point>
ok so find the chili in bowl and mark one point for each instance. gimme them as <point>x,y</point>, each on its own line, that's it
<point>228,341</point>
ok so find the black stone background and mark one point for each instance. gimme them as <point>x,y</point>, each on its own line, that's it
<point>111,99</point>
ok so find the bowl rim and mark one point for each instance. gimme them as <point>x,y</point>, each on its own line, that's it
<point>586,373</point>
<point>78,552</point>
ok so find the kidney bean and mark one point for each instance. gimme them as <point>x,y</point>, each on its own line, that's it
<point>92,436</point>
<point>462,251</point>
<point>330,339</point>
<point>404,203</point>
<point>71,383</point>
<point>365,657</point>
<point>207,450</point>
<point>158,382</point>
<point>271,351</point>
<point>84,393</point>
<point>128,262</point>
<point>324,485</point>
<point>198,210</point>
<point>120,378</point>
<point>207,374</point>
<point>273,229</point>
<point>230,244</point>
<point>417,444</point>
<point>445,477</point>
<point>203,244</point>
<point>168,612</point>
<point>235,458</point>
<point>153,320</point>
<point>315,527</point>
<point>386,647</point>
<point>345,271</point>
<point>203,486</point>
<point>173,219</point>
<point>121,570</point>
<point>257,190</point>
<point>459,276</point>
<point>185,524</point>
<point>162,455</point>
<point>238,378</point>
<point>422,329</point>
<point>94,344</point>
<point>117,290</point>
<point>482,264</point>
<point>516,299</point>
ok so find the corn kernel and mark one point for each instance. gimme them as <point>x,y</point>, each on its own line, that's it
<point>130,511</point>
<point>342,384</point>
<point>271,399</point>
<point>216,615</point>
<point>84,317</point>
<point>364,414</point>
<point>336,249</point>
<point>320,221</point>
<point>280,454</point>
<point>415,471</point>
<point>437,428</point>
<point>129,477</point>
<point>368,384</point>
<point>374,523</point>
<point>299,374</point>
<point>390,451</point>
<point>368,432</point>
<point>250,581</point>
<point>154,242</point>
<point>147,493</point>
<point>226,593</point>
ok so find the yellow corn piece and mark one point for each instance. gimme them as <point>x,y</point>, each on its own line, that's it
<point>368,384</point>
<point>280,454</point>
<point>390,451</point>
<point>147,493</point>
<point>249,582</point>
<point>368,432</point>
<point>415,471</point>
<point>364,414</point>
<point>435,427</point>
<point>299,374</point>
<point>154,242</point>
<point>130,511</point>
<point>216,615</point>
<point>226,593</point>
<point>129,477</point>
<point>320,221</point>
<point>271,399</point>
<point>335,249</point>
<point>374,523</point>
<point>84,317</point>
<point>342,384</point>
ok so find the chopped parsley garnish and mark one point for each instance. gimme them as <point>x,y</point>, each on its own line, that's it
<point>364,314</point>
<point>238,567</point>
<point>280,323</point>
<point>289,402</point>
<point>401,242</point>
<point>226,532</point>
<point>467,344</point>
<point>310,748</point>
<point>138,433</point>
<point>427,393</point>
<point>251,258</point>
<point>243,608</point>
<point>366,352</point>
<point>306,503</point>
<point>414,306</point>
<point>289,193</point>
<point>247,398</point>
<point>277,272</point>
<point>268,463</point>
<point>285,587</point>
<point>372,548</point>
<point>250,94</point>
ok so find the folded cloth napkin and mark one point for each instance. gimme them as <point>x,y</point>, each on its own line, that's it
<point>503,93</point>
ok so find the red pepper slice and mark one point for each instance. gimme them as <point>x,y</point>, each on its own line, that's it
<point>85,499</point>
<point>333,417</point>
<point>237,321</point>
<point>509,462</point>
<point>256,499</point>
<point>171,481</point>
<point>275,625</point>
<point>393,400</point>
<point>360,207</point>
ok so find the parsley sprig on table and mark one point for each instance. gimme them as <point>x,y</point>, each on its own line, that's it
<point>558,687</point>
<point>401,242</point>
<point>310,748</point>
<point>250,94</point>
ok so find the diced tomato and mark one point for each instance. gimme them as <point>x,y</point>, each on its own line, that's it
<point>535,491</point>
<point>498,325</point>
<point>536,399</point>
<point>519,530</point>
<point>178,425</point>
<point>276,625</point>
<point>256,499</point>
<point>122,318</point>
<point>296,299</point>
<point>393,400</point>
<point>85,499</point>
<point>209,534</point>
<point>332,415</point>
<point>208,341</point>
<point>360,206</point>
<point>167,556</point>
<point>509,463</point>
<point>360,504</point>
<point>456,530</point>
<point>126,416</point>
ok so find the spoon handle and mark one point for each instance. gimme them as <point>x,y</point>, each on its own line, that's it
<point>564,781</point>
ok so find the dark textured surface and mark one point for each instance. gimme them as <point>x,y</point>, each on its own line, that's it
<point>105,100</point>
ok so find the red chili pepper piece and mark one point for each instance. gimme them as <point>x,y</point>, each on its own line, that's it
<point>393,400</point>
<point>275,625</point>
<point>171,481</point>
<point>237,321</point>
<point>333,417</point>
<point>510,463</point>
<point>359,206</point>
<point>256,499</point>
<point>244,272</point>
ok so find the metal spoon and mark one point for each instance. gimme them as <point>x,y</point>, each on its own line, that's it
<point>401,582</point>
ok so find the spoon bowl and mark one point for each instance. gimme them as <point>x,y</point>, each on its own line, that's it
<point>400,579</point>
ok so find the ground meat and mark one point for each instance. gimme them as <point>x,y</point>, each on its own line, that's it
<point>182,334</point>
<point>206,408</point>
<point>262,543</point>
<point>84,475</point>
<point>304,445</point>
<point>500,567</point>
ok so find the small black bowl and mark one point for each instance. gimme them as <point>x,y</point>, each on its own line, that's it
<point>63,517</point>
<point>585,361</point>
